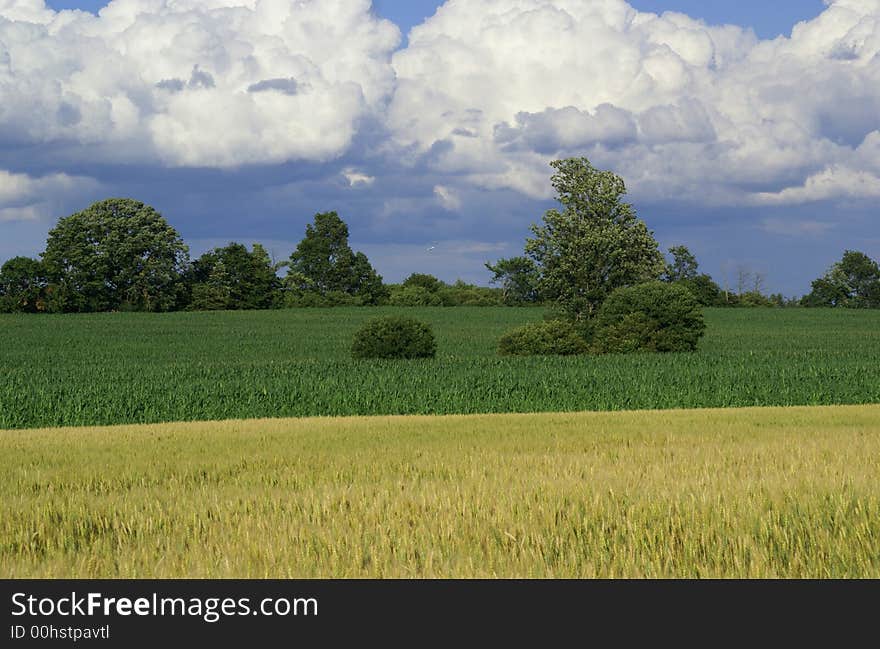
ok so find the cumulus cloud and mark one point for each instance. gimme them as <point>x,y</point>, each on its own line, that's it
<point>830,183</point>
<point>485,93</point>
<point>193,83</point>
<point>683,110</point>
<point>28,198</point>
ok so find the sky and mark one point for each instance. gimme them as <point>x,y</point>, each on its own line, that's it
<point>748,131</point>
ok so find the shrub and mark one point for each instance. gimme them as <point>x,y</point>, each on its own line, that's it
<point>394,337</point>
<point>551,338</point>
<point>414,296</point>
<point>654,316</point>
<point>422,280</point>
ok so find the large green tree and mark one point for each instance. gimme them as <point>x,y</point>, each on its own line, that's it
<point>519,279</point>
<point>233,277</point>
<point>852,282</point>
<point>23,286</point>
<point>594,244</point>
<point>116,254</point>
<point>324,264</point>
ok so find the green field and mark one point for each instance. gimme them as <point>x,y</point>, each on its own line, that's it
<point>137,368</point>
<point>788,492</point>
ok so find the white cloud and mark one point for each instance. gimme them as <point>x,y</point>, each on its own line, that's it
<point>448,198</point>
<point>683,110</point>
<point>485,94</point>
<point>831,183</point>
<point>356,178</point>
<point>27,198</point>
<point>216,83</point>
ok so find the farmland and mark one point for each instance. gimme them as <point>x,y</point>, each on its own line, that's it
<point>101,369</point>
<point>778,492</point>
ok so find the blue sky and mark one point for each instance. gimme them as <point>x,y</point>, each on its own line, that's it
<point>769,19</point>
<point>759,154</point>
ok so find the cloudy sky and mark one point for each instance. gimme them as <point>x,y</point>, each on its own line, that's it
<point>749,131</point>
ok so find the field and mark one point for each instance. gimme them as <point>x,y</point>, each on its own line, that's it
<point>119,368</point>
<point>734,493</point>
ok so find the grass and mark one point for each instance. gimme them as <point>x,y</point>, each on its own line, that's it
<point>715,493</point>
<point>74,370</point>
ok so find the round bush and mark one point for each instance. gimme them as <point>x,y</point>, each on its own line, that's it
<point>394,337</point>
<point>551,338</point>
<point>655,316</point>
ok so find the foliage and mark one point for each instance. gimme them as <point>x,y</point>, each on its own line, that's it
<point>683,266</point>
<point>234,278</point>
<point>463,294</point>
<point>429,291</point>
<point>595,244</point>
<point>550,338</point>
<point>308,299</point>
<point>654,316</point>
<point>414,296</point>
<point>23,286</point>
<point>852,282</point>
<point>394,337</point>
<point>425,281</point>
<point>519,279</point>
<point>704,289</point>
<point>323,263</point>
<point>116,254</point>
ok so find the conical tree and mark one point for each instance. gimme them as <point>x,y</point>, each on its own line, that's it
<point>594,244</point>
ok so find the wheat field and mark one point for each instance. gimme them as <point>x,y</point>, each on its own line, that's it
<point>764,492</point>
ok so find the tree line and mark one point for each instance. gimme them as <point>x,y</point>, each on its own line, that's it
<point>122,255</point>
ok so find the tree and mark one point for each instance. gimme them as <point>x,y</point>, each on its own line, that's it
<point>682,270</point>
<point>118,253</point>
<point>423,280</point>
<point>519,279</point>
<point>23,286</point>
<point>234,278</point>
<point>595,244</point>
<point>324,264</point>
<point>683,266</point>
<point>366,282</point>
<point>852,282</point>
<point>704,289</point>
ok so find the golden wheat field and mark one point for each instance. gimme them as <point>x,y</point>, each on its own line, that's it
<point>765,492</point>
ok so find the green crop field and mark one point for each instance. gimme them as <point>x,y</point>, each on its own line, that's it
<point>139,368</point>
<point>785,492</point>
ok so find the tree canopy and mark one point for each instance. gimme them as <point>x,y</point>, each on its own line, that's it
<point>519,279</point>
<point>232,277</point>
<point>594,244</point>
<point>23,286</point>
<point>116,254</point>
<point>852,282</point>
<point>324,264</point>
<point>683,266</point>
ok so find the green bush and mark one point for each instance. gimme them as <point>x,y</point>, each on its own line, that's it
<point>394,337</point>
<point>551,338</point>
<point>414,296</point>
<point>654,316</point>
